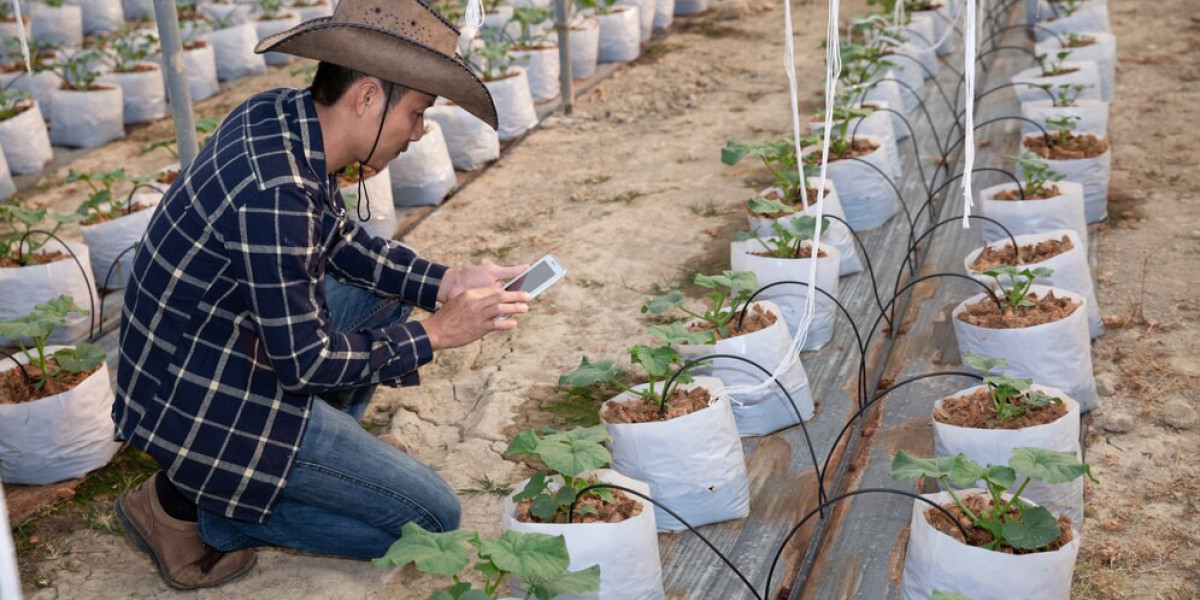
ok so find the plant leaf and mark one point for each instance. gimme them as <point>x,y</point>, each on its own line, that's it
<point>525,443</point>
<point>544,507</point>
<point>574,452</point>
<point>676,333</point>
<point>1035,529</point>
<point>656,361</point>
<point>907,466</point>
<point>589,373</point>
<point>537,484</point>
<point>983,363</point>
<point>529,556</point>
<point>769,206</point>
<point>579,582</point>
<point>1049,466</point>
<point>83,357</point>
<point>433,553</point>
<point>662,304</point>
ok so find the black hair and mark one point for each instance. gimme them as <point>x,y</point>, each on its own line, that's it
<point>331,81</point>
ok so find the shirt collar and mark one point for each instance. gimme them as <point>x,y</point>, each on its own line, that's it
<point>310,137</point>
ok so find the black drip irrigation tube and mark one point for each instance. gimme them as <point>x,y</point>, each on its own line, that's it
<point>929,201</point>
<point>108,277</point>
<point>867,87</point>
<point>891,303</point>
<point>1030,28</point>
<point>909,257</point>
<point>899,196</point>
<point>1012,84</point>
<point>912,136</point>
<point>862,248</point>
<point>93,324</point>
<point>24,373</point>
<point>962,80</point>
<point>1045,134</point>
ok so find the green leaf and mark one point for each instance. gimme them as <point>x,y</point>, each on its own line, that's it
<point>537,485</point>
<point>1049,466</point>
<point>769,206</point>
<point>964,472</point>
<point>1035,529</point>
<point>1000,476</point>
<point>906,466</point>
<point>589,373</point>
<point>983,363</point>
<point>656,361</point>
<point>579,582</point>
<point>676,333</point>
<point>662,304</point>
<point>26,326</point>
<point>525,443</point>
<point>734,152</point>
<point>1037,398</point>
<point>940,595</point>
<point>529,556</point>
<point>544,507</point>
<point>433,553</point>
<point>57,309</point>
<point>83,357</point>
<point>572,454</point>
<point>460,591</point>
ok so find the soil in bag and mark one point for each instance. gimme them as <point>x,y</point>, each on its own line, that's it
<point>975,411</point>
<point>1044,310</point>
<point>858,148</point>
<point>804,252</point>
<point>168,177</point>
<point>980,537</point>
<point>795,202</point>
<point>1047,192</point>
<point>757,319</point>
<point>640,410</point>
<point>96,220</point>
<point>622,507</point>
<point>40,258</point>
<point>1030,253</point>
<point>1078,146</point>
<point>14,389</point>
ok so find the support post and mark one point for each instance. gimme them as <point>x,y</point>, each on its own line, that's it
<point>562,23</point>
<point>176,78</point>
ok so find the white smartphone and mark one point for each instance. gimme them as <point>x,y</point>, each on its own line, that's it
<point>537,278</point>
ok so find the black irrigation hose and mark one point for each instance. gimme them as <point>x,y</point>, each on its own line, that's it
<point>24,373</point>
<point>647,498</point>
<point>862,248</point>
<point>891,303</point>
<point>899,196</point>
<point>129,198</point>
<point>1002,86</point>
<point>796,529</point>
<point>912,136</point>
<point>929,201</point>
<point>92,293</point>
<point>1026,27</point>
<point>1045,134</point>
<point>958,88</point>
<point>929,74</point>
<point>695,362</point>
<point>909,256</point>
<point>107,277</point>
<point>866,87</point>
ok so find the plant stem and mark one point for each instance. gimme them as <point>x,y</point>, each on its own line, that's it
<point>1016,496</point>
<point>963,507</point>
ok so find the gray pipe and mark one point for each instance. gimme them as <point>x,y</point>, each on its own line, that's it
<point>561,23</point>
<point>177,82</point>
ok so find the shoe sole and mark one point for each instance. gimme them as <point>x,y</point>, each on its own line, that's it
<point>138,538</point>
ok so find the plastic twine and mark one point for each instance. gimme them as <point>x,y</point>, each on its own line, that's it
<point>898,13</point>
<point>789,65</point>
<point>475,14</point>
<point>969,89</point>
<point>21,37</point>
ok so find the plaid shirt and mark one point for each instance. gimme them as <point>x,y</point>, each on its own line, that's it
<point>225,335</point>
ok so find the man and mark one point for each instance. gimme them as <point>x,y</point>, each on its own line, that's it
<point>260,317</point>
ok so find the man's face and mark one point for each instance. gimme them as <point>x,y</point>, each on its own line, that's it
<point>405,123</point>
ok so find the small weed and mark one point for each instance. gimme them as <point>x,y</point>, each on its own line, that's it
<point>499,253</point>
<point>510,225</point>
<point>705,210</point>
<point>755,96</point>
<point>588,284</point>
<point>710,29</point>
<point>653,52</point>
<point>626,197</point>
<point>486,487</point>
<point>594,179</point>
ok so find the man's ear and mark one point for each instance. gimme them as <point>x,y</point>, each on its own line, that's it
<point>366,94</point>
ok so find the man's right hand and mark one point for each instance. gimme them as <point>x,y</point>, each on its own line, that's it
<point>472,315</point>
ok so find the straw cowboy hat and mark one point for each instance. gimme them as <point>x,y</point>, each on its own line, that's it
<point>400,41</point>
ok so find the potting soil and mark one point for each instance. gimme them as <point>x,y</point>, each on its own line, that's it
<point>976,411</point>
<point>1045,310</point>
<point>1029,253</point>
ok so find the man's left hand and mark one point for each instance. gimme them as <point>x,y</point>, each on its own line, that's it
<point>460,279</point>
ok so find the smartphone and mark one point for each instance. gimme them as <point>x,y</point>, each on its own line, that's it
<point>537,278</point>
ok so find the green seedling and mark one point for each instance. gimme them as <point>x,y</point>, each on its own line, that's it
<point>204,127</point>
<point>1079,40</point>
<point>1016,293</point>
<point>860,63</point>
<point>779,156</point>
<point>529,18</point>
<point>1037,173</point>
<point>1011,396</point>
<point>1067,93</point>
<point>659,363</point>
<point>269,9</point>
<point>728,291</point>
<point>37,326</point>
<point>101,204</point>
<point>790,236</point>
<point>1065,8</point>
<point>1054,68</point>
<point>538,561</point>
<point>1064,125</point>
<point>17,238</point>
<point>12,102</point>
<point>568,454</point>
<point>1013,523</point>
<point>844,115</point>
<point>80,70</point>
<point>128,49</point>
<point>600,7</point>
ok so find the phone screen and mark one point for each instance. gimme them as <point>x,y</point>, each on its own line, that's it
<point>531,280</point>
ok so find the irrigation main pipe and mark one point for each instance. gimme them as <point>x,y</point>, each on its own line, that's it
<point>562,24</point>
<point>177,83</point>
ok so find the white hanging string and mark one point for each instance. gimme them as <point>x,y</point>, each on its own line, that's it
<point>475,14</point>
<point>969,90</point>
<point>789,65</point>
<point>953,20</point>
<point>21,37</point>
<point>898,13</point>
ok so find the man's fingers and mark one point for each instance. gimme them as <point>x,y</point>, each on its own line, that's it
<point>504,324</point>
<point>514,308</point>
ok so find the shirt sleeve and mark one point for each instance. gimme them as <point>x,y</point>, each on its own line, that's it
<point>276,250</point>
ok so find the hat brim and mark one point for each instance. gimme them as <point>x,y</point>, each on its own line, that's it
<point>390,57</point>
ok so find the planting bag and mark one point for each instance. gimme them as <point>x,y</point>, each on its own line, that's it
<point>470,141</point>
<point>1103,52</point>
<point>136,9</point>
<point>382,221</point>
<point>1057,354</point>
<point>646,9</point>
<point>234,49</point>
<point>58,437</point>
<point>26,141</point>
<point>10,583</point>
<point>767,411</point>
<point>9,44</point>
<point>1071,271</point>
<point>936,561</point>
<point>585,48</point>
<point>424,173</point>
<point>514,104</point>
<point>236,14</point>
<point>23,288</point>
<point>878,124</point>
<point>620,35</point>
<point>1092,114</point>
<point>791,298</point>
<point>995,447</point>
<point>627,552</point>
<point>1092,173</point>
<point>268,28</point>
<point>693,464</point>
<point>100,16</point>
<point>308,13</point>
<point>88,119</point>
<point>144,93</point>
<point>920,34</point>
<point>1092,16</point>
<point>42,87</point>
<point>108,240</point>
<point>664,13</point>
<point>62,26</point>
<point>887,92</point>
<point>542,69</point>
<point>836,235</point>
<point>1064,211</point>
<point>690,7</point>
<point>1088,74</point>
<point>864,192</point>
<point>7,187</point>
<point>201,66</point>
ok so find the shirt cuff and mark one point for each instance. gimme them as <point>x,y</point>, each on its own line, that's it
<point>422,284</point>
<point>413,334</point>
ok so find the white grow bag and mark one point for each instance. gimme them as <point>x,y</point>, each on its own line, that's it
<point>144,94</point>
<point>26,141</point>
<point>100,16</point>
<point>1064,211</point>
<point>920,34</point>
<point>767,411</point>
<point>1103,52</point>
<point>201,66</point>
<point>378,187</point>
<point>995,447</point>
<point>236,14</point>
<point>61,26</point>
<point>308,13</point>
<point>58,437</point>
<point>646,10</point>
<point>136,9</point>
<point>514,104</point>
<point>1088,74</point>
<point>836,235</point>
<point>1057,354</point>
<point>7,187</point>
<point>542,69</point>
<point>111,239</point>
<point>865,194</point>
<point>694,464</point>
<point>620,35</point>
<point>42,87</point>
<point>936,561</point>
<point>25,287</point>
<point>1092,173</point>
<point>423,174</point>
<point>878,124</point>
<point>664,13</point>
<point>690,7</point>
<point>1092,16</point>
<point>1092,115</point>
<point>266,29</point>
<point>234,50</point>
<point>9,44</point>
<point>1071,271</point>
<point>88,119</point>
<point>791,298</point>
<point>627,552</point>
<point>470,141</point>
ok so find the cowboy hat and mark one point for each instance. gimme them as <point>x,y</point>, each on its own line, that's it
<point>399,41</point>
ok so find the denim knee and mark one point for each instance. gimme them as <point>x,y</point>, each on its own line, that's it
<point>447,509</point>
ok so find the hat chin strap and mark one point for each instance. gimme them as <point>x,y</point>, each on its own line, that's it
<point>363,198</point>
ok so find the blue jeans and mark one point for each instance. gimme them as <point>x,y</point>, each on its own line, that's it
<point>348,493</point>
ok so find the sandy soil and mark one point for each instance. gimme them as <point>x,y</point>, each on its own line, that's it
<point>629,193</point>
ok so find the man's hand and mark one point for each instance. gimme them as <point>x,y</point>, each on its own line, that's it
<point>471,314</point>
<point>460,279</point>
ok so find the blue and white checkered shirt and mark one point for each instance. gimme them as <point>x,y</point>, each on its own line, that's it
<point>225,336</point>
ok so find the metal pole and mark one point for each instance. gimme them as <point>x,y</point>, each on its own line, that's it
<point>177,83</point>
<point>562,24</point>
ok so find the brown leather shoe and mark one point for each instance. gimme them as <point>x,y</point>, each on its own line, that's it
<point>184,562</point>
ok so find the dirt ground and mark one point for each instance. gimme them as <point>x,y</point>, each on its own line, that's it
<point>628,192</point>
